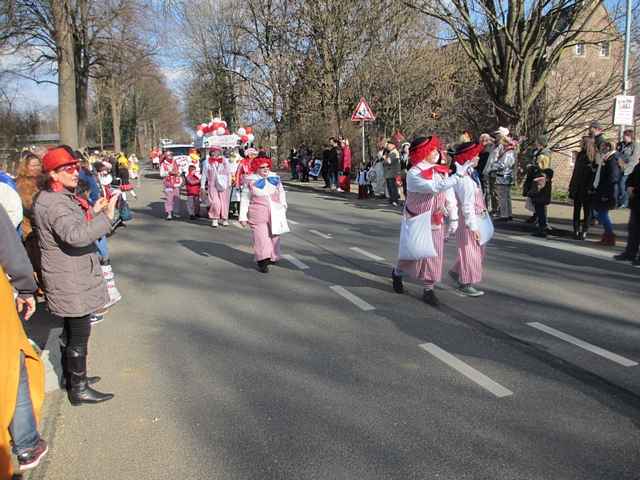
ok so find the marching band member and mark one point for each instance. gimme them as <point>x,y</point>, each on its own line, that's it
<point>262,190</point>
<point>219,187</point>
<point>429,189</point>
<point>467,270</point>
<point>172,183</point>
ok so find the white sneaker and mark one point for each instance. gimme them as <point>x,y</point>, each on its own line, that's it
<point>340,190</point>
<point>225,223</point>
<point>214,223</point>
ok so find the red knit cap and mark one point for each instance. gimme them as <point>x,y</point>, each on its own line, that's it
<point>56,158</point>
<point>466,152</point>
<point>257,162</point>
<point>421,148</point>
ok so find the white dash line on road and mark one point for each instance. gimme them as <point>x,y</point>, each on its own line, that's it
<point>292,222</point>
<point>467,370</point>
<point>296,262</point>
<point>625,362</point>
<point>367,254</point>
<point>320,234</point>
<point>357,301</point>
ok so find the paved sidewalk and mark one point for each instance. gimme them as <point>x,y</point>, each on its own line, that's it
<point>560,215</point>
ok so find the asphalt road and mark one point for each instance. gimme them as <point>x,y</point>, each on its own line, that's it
<point>319,371</point>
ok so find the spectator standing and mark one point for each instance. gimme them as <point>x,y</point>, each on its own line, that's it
<point>27,184</point>
<point>293,163</point>
<point>633,239</point>
<point>605,190</point>
<point>502,162</point>
<point>628,153</point>
<point>537,185</point>
<point>333,162</point>
<point>346,165</point>
<point>391,172</point>
<point>73,280</point>
<point>581,184</point>
<point>10,199</point>
<point>21,370</point>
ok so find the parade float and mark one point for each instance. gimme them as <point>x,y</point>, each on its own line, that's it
<point>217,134</point>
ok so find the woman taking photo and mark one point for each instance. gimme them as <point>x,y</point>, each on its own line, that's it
<point>67,229</point>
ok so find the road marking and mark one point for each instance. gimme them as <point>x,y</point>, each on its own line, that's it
<point>357,301</point>
<point>625,362</point>
<point>296,262</point>
<point>467,370</point>
<point>566,247</point>
<point>320,234</point>
<point>367,254</point>
<point>205,254</point>
<point>293,222</point>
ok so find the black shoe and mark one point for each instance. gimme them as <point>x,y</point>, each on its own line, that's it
<point>78,389</point>
<point>623,257</point>
<point>532,219</point>
<point>429,296</point>
<point>398,287</point>
<point>263,265</point>
<point>32,457</point>
<point>192,217</point>
<point>577,235</point>
<point>583,235</point>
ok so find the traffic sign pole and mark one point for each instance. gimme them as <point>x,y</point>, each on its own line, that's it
<point>363,150</point>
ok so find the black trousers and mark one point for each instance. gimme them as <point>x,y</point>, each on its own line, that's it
<point>583,205</point>
<point>76,333</point>
<point>633,239</point>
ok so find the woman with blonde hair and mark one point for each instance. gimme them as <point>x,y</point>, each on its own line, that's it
<point>27,185</point>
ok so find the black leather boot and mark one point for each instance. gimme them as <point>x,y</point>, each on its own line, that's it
<point>63,377</point>
<point>78,389</point>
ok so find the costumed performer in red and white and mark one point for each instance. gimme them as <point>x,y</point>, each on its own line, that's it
<point>429,189</point>
<point>218,177</point>
<point>467,271</point>
<point>262,189</point>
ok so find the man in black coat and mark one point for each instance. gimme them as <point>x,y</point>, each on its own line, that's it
<point>633,240</point>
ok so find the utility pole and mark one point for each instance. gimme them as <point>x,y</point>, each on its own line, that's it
<point>627,53</point>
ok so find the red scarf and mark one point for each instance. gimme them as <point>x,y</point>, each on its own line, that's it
<point>213,160</point>
<point>427,174</point>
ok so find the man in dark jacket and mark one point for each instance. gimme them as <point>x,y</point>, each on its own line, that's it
<point>633,239</point>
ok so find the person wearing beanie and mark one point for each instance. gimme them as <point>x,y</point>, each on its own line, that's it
<point>429,190</point>
<point>67,229</point>
<point>171,184</point>
<point>467,270</point>
<point>263,206</point>
<point>218,187</point>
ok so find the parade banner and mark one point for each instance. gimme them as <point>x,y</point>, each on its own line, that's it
<point>222,141</point>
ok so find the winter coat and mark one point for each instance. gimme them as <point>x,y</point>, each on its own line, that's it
<point>605,192</point>
<point>193,185</point>
<point>633,182</point>
<point>503,163</point>
<point>71,272</point>
<point>627,156</point>
<point>539,191</point>
<point>581,183</point>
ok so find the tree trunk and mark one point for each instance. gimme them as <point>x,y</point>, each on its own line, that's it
<point>82,101</point>
<point>67,114</point>
<point>116,110</point>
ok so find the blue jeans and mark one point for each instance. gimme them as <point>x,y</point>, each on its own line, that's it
<point>605,220</point>
<point>623,198</point>
<point>23,429</point>
<point>103,250</point>
<point>333,179</point>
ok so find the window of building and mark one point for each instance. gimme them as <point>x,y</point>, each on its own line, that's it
<point>580,50</point>
<point>604,49</point>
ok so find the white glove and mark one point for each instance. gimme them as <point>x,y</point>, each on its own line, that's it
<point>461,170</point>
<point>452,228</point>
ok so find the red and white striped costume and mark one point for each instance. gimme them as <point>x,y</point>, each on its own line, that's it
<point>429,190</point>
<point>468,266</point>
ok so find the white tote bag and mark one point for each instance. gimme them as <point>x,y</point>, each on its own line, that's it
<point>416,238</point>
<point>222,182</point>
<point>486,228</point>
<point>279,224</point>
